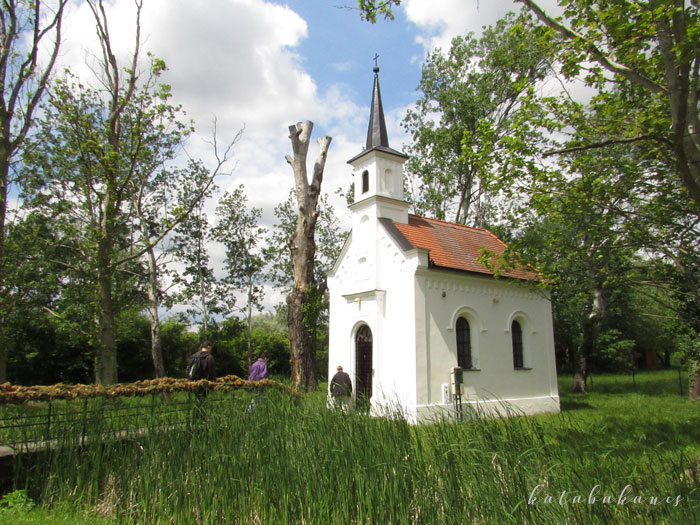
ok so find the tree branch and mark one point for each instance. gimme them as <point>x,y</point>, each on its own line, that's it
<point>592,49</point>
<point>602,144</point>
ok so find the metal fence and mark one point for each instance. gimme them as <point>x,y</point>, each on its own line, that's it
<point>44,425</point>
<point>666,381</point>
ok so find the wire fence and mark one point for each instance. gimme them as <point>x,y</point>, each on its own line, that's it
<point>674,380</point>
<point>75,422</point>
<point>40,417</point>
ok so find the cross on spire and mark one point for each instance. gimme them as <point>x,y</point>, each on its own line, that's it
<point>376,133</point>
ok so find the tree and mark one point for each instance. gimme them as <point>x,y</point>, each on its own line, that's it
<point>470,100</point>
<point>650,45</point>
<point>302,247</point>
<point>197,286</point>
<point>100,168</point>
<point>23,81</point>
<point>162,196</point>
<point>597,222</point>
<point>329,242</point>
<point>369,9</point>
<point>239,232</point>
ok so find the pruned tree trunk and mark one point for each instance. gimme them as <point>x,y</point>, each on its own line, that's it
<point>302,248</point>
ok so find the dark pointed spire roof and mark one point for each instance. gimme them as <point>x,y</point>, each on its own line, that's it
<point>377,137</point>
<point>376,132</point>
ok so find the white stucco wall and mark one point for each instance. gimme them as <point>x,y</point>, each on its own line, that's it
<point>489,305</point>
<point>373,284</point>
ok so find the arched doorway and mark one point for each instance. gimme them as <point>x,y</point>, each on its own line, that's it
<point>363,365</point>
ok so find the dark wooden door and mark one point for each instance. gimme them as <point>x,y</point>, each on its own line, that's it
<point>363,365</point>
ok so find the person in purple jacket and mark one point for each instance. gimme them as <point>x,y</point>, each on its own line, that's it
<point>258,370</point>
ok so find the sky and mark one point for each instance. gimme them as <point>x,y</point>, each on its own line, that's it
<point>264,65</point>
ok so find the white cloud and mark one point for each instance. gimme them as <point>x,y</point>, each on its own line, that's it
<point>342,67</point>
<point>239,61</point>
<point>441,20</point>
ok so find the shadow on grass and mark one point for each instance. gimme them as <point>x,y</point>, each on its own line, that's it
<point>574,404</point>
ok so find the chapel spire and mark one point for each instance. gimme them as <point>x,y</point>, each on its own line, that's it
<point>376,132</point>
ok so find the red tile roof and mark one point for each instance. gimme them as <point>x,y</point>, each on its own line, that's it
<point>456,246</point>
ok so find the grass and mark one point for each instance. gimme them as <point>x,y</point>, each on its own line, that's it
<point>292,461</point>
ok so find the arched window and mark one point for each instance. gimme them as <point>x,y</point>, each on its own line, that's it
<point>464,344</point>
<point>517,334</point>
<point>365,181</point>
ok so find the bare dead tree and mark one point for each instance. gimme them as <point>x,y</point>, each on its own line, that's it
<point>302,248</point>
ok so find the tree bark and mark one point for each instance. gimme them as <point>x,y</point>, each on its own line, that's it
<point>694,390</point>
<point>106,352</point>
<point>153,315</point>
<point>4,175</point>
<point>302,248</point>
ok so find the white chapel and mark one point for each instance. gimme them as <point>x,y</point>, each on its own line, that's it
<point>410,302</point>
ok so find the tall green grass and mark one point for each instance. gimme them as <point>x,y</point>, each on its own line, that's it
<point>291,460</point>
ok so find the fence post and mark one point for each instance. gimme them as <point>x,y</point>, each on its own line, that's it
<point>634,382</point>
<point>680,381</point>
<point>151,423</point>
<point>48,423</point>
<point>85,412</point>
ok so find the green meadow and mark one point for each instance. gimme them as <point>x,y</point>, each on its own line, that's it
<point>622,453</point>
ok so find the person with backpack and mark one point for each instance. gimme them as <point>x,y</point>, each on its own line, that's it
<point>201,364</point>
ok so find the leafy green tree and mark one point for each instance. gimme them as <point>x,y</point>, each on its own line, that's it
<point>470,100</point>
<point>101,172</point>
<point>237,229</point>
<point>178,343</point>
<point>197,286</point>
<point>647,48</point>
<point>164,196</point>
<point>588,218</point>
<point>26,28</point>
<point>84,171</point>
